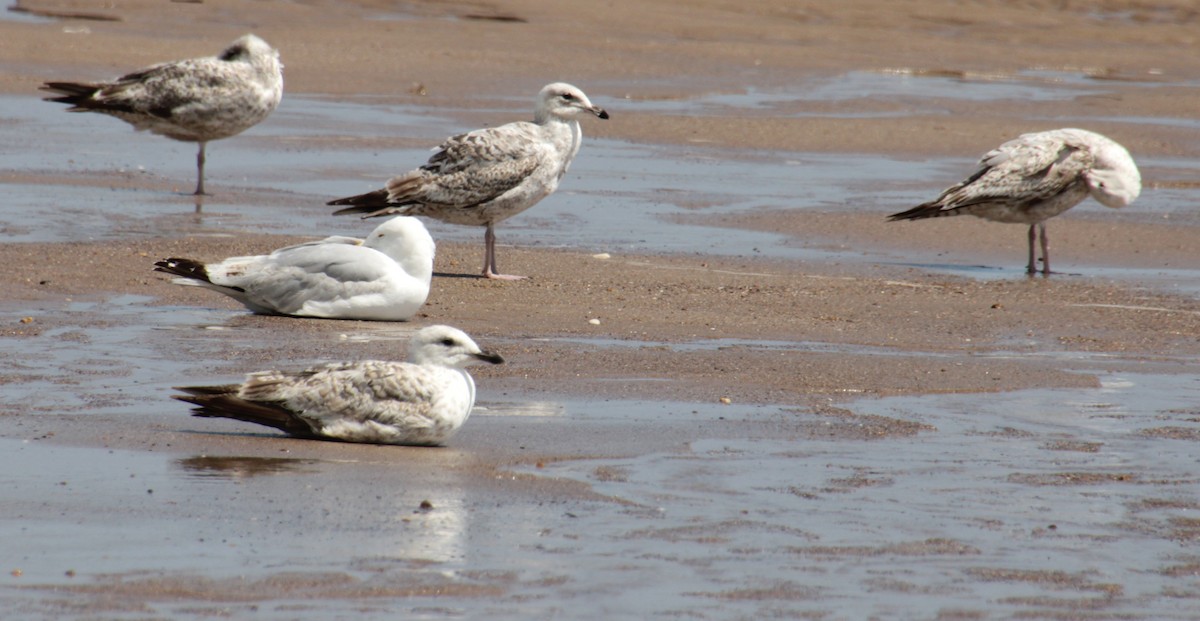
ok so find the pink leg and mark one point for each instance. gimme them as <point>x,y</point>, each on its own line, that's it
<point>200,169</point>
<point>1045,249</point>
<point>489,257</point>
<point>1032,267</point>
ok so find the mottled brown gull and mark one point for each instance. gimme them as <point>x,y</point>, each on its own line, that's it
<point>420,402</point>
<point>195,100</point>
<point>383,278</point>
<point>488,175</point>
<point>1036,177</point>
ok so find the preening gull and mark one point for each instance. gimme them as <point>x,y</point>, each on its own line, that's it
<point>384,277</point>
<point>420,402</point>
<point>1036,177</point>
<point>488,175</point>
<point>194,100</point>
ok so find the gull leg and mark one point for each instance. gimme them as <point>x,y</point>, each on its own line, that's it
<point>489,257</point>
<point>200,169</point>
<point>1032,267</point>
<point>489,251</point>
<point>1045,249</point>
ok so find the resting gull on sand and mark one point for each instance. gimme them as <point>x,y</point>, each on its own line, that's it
<point>1036,177</point>
<point>384,277</point>
<point>488,175</point>
<point>420,402</point>
<point>194,100</point>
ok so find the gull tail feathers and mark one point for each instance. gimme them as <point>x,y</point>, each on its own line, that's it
<point>82,97</point>
<point>222,402</point>
<point>186,268</point>
<point>932,209</point>
<point>71,92</point>
<point>363,203</point>
<point>374,204</point>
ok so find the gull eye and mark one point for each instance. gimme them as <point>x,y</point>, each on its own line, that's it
<point>568,96</point>
<point>233,53</point>
<point>447,342</point>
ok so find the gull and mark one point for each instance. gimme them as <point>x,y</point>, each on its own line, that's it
<point>420,402</point>
<point>195,100</point>
<point>485,176</point>
<point>1036,177</point>
<point>384,277</point>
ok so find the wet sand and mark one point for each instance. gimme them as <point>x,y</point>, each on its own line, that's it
<point>889,409</point>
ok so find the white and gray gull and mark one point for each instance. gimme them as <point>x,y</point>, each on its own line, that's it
<point>488,175</point>
<point>420,402</point>
<point>194,100</point>
<point>1036,177</point>
<point>382,278</point>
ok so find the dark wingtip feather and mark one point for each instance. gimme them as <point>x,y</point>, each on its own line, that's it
<point>201,391</point>
<point>75,89</point>
<point>363,203</point>
<point>903,215</point>
<point>345,211</point>
<point>84,97</point>
<point>186,268</point>
<point>367,211</point>
<point>925,210</point>
<point>70,93</point>
<point>222,402</point>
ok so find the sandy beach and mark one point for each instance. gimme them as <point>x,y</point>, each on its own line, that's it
<point>732,389</point>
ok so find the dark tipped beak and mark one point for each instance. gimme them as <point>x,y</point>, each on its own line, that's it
<point>488,356</point>
<point>600,112</point>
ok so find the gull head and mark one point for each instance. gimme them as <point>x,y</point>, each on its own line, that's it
<point>563,101</point>
<point>406,241</point>
<point>254,51</point>
<point>1113,179</point>
<point>247,49</point>
<point>447,346</point>
<point>1114,188</point>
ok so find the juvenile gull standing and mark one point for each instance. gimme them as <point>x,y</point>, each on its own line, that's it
<point>1036,177</point>
<point>420,402</point>
<point>384,277</point>
<point>194,100</point>
<point>488,175</point>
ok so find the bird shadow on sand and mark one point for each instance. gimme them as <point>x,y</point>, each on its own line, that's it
<point>471,276</point>
<point>985,271</point>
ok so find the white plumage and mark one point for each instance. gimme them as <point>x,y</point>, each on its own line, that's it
<point>384,277</point>
<point>195,100</point>
<point>1036,177</point>
<point>488,175</point>
<point>420,402</point>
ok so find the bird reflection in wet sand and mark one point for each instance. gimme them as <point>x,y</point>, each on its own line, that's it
<point>1035,177</point>
<point>234,467</point>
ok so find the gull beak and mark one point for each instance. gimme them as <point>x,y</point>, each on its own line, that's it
<point>488,356</point>
<point>598,111</point>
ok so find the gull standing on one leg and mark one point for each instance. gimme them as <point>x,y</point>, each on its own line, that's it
<point>195,100</point>
<point>1036,177</point>
<point>420,402</point>
<point>488,175</point>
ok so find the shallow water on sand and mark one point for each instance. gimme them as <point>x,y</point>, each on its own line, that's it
<point>1022,503</point>
<point>618,197</point>
<point>1037,502</point>
<point>971,510</point>
<point>1034,503</point>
